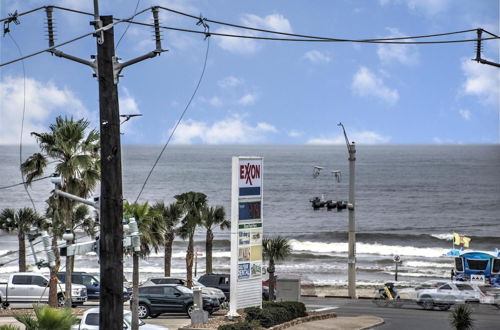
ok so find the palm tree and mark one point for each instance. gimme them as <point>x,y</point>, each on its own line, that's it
<point>170,216</point>
<point>48,318</point>
<point>21,222</point>
<point>151,232</point>
<point>75,153</point>
<point>212,217</point>
<point>191,204</point>
<point>275,249</point>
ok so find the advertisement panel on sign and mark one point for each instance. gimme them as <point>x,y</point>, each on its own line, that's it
<point>250,177</point>
<point>249,211</point>
<point>244,271</point>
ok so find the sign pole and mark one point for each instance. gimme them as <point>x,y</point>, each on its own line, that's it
<point>233,300</point>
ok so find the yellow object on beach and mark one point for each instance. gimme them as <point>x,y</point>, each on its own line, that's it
<point>461,240</point>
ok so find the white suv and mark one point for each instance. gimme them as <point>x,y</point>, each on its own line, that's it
<point>448,294</point>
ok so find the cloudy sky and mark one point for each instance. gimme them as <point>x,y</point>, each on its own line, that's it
<point>270,92</point>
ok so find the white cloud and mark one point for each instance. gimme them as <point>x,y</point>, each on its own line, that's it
<point>215,101</point>
<point>363,137</point>
<point>429,7</point>
<point>295,133</point>
<point>317,57</point>
<point>247,99</point>
<point>482,81</point>
<point>229,81</point>
<point>233,130</point>
<point>237,45</point>
<point>366,83</point>
<point>464,113</point>
<point>438,140</point>
<point>275,22</point>
<point>404,54</point>
<point>44,101</point>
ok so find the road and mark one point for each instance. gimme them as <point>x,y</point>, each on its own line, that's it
<point>408,317</point>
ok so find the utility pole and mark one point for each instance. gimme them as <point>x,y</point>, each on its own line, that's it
<point>351,258</point>
<point>111,238</point>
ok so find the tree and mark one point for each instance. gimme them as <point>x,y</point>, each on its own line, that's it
<point>169,216</point>
<point>75,151</point>
<point>48,318</point>
<point>191,204</point>
<point>275,249</point>
<point>151,232</point>
<point>21,222</point>
<point>211,218</point>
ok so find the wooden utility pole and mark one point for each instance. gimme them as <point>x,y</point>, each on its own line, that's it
<point>111,204</point>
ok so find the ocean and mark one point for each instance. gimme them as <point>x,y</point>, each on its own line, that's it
<point>409,201</point>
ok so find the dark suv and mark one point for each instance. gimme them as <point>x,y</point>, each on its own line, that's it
<point>219,281</point>
<point>91,282</point>
<point>171,298</point>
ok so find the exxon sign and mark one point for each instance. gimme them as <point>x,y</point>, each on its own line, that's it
<point>250,177</point>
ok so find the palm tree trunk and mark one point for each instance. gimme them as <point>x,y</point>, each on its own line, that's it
<point>272,279</point>
<point>167,263</point>
<point>22,251</point>
<point>135,291</point>
<point>189,262</point>
<point>67,282</point>
<point>208,251</point>
<point>53,275</point>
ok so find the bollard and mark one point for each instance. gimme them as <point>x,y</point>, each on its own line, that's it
<point>198,316</point>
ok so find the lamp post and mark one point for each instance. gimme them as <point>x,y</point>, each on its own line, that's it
<point>351,258</point>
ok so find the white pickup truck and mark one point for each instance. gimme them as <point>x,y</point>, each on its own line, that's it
<point>33,287</point>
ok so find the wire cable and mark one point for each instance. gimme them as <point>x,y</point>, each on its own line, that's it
<point>24,13</point>
<point>179,121</point>
<point>313,37</point>
<point>24,182</point>
<point>126,29</point>
<point>22,123</point>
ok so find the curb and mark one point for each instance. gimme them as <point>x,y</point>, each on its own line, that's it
<point>304,319</point>
<point>373,326</point>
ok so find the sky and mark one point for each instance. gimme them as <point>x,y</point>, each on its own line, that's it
<point>265,92</point>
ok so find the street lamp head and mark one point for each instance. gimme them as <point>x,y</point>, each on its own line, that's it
<point>316,171</point>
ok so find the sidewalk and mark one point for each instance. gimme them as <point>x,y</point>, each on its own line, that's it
<point>341,323</point>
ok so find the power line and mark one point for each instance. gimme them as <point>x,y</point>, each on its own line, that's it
<point>22,14</point>
<point>126,29</point>
<point>178,122</point>
<point>22,122</point>
<point>24,182</point>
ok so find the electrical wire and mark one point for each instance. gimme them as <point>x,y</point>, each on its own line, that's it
<point>24,183</point>
<point>22,123</point>
<point>178,122</point>
<point>22,14</point>
<point>126,29</point>
<point>309,36</point>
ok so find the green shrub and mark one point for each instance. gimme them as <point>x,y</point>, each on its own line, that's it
<point>461,318</point>
<point>9,327</point>
<point>273,313</point>
<point>245,325</point>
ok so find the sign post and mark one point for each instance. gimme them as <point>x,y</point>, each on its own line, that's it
<point>397,260</point>
<point>246,233</point>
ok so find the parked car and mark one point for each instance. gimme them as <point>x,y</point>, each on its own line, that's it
<point>92,284</point>
<point>90,321</point>
<point>175,280</point>
<point>448,294</point>
<point>171,298</point>
<point>221,281</point>
<point>33,287</point>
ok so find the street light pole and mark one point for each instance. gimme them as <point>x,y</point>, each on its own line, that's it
<point>351,259</point>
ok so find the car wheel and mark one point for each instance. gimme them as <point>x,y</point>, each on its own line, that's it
<point>444,307</point>
<point>190,309</point>
<point>142,311</point>
<point>427,303</point>
<point>60,300</point>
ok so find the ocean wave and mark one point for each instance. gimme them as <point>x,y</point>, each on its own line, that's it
<point>425,264</point>
<point>366,248</point>
<point>446,237</point>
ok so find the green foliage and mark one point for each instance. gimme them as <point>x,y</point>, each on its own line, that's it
<point>461,317</point>
<point>22,220</point>
<point>151,231</point>
<point>245,325</point>
<point>48,318</point>
<point>9,327</point>
<point>276,313</point>
<point>276,248</point>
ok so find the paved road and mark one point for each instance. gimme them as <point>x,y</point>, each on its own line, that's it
<point>409,317</point>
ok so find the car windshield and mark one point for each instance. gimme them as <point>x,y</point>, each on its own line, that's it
<point>183,289</point>
<point>196,283</point>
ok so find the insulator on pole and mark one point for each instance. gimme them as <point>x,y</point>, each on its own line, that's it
<point>157,29</point>
<point>478,45</point>
<point>50,25</point>
<point>134,233</point>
